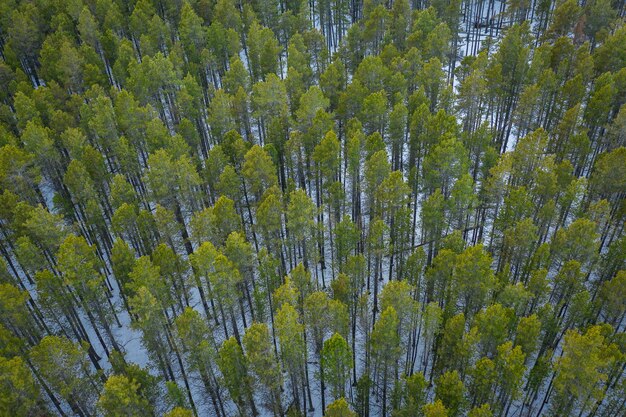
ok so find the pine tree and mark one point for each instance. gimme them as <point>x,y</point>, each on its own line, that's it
<point>336,364</point>
<point>450,391</point>
<point>197,345</point>
<point>20,393</point>
<point>386,350</point>
<point>235,192</point>
<point>292,350</point>
<point>436,409</point>
<point>339,408</point>
<point>577,381</point>
<point>263,364</point>
<point>120,396</point>
<point>234,368</point>
<point>65,368</point>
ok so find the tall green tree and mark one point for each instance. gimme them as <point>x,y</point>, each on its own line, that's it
<point>264,366</point>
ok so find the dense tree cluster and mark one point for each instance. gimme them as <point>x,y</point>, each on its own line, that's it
<point>295,208</point>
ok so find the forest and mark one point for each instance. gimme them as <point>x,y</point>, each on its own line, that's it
<point>340,208</point>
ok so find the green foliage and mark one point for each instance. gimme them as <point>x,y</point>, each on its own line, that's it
<point>336,363</point>
<point>450,391</point>
<point>436,409</point>
<point>234,368</point>
<point>268,377</point>
<point>582,367</point>
<point>339,408</point>
<point>64,366</point>
<point>416,199</point>
<point>20,394</point>
<point>120,397</point>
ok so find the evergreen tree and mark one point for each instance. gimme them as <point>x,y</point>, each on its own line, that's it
<point>270,205</point>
